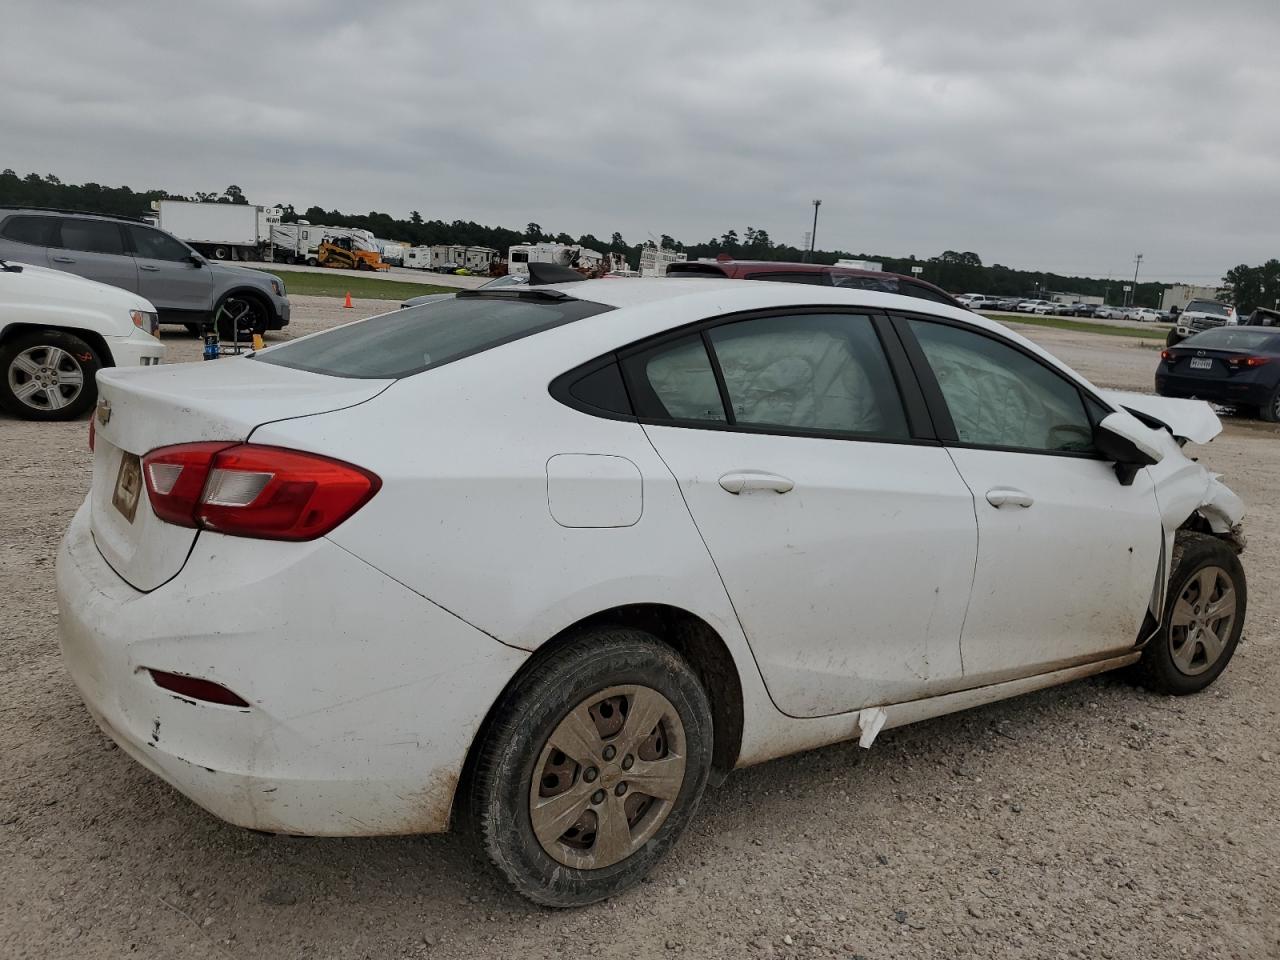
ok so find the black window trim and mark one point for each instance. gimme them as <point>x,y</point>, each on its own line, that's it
<point>920,425</point>
<point>947,433</point>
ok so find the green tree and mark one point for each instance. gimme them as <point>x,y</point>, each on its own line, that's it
<point>234,194</point>
<point>533,232</point>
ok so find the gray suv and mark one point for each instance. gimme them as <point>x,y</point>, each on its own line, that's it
<point>184,287</point>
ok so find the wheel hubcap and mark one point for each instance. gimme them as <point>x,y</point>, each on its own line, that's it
<point>607,777</point>
<point>1202,620</point>
<point>46,377</point>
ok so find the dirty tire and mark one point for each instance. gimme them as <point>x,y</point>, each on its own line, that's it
<point>61,360</point>
<point>517,743</point>
<point>1270,411</point>
<point>1194,555</point>
<point>241,313</point>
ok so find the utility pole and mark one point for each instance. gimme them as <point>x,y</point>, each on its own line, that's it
<point>1137,262</point>
<point>813,235</point>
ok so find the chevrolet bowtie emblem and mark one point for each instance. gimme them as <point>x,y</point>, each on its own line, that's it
<point>104,412</point>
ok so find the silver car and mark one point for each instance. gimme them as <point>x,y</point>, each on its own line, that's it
<point>184,286</point>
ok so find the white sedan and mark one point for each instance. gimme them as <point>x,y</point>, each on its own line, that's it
<point>57,331</point>
<point>1144,315</point>
<point>545,560</point>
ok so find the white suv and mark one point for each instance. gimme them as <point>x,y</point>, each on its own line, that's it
<point>57,330</point>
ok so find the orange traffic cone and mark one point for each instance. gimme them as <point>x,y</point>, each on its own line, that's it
<point>347,304</point>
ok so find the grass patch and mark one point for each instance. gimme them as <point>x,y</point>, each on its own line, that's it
<point>307,284</point>
<point>1081,326</point>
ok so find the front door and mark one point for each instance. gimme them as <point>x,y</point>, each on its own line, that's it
<point>1067,555</point>
<point>846,544</point>
<point>93,249</point>
<point>167,274</point>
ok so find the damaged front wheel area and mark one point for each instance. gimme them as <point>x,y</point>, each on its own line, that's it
<point>1203,616</point>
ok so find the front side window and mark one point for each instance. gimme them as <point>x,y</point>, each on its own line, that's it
<point>154,245</point>
<point>92,236</point>
<point>820,373</point>
<point>35,230</point>
<point>1000,397</point>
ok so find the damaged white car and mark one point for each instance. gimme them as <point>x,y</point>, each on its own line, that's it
<point>545,560</point>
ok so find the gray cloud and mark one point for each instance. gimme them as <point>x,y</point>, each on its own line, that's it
<point>1057,136</point>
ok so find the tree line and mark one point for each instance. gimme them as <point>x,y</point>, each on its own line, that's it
<point>956,271</point>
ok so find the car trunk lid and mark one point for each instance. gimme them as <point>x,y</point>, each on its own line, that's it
<point>141,409</point>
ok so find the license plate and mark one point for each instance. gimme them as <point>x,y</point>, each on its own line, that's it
<point>1201,363</point>
<point>128,486</point>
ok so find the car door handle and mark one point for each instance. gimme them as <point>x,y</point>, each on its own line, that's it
<point>745,481</point>
<point>64,259</point>
<point>149,268</point>
<point>1008,497</point>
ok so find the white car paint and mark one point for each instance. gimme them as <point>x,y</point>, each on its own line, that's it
<point>370,656</point>
<point>51,299</point>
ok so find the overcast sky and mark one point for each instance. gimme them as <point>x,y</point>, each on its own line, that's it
<point>1055,136</point>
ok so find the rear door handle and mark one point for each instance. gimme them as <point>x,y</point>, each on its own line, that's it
<point>149,268</point>
<point>745,481</point>
<point>64,259</point>
<point>1009,497</point>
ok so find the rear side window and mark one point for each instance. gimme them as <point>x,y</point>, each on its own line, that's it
<point>415,339</point>
<point>675,382</point>
<point>91,236</point>
<point>809,373</point>
<point>37,231</point>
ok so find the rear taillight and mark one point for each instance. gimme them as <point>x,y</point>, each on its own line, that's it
<point>194,688</point>
<point>1168,355</point>
<point>1243,362</point>
<point>247,490</point>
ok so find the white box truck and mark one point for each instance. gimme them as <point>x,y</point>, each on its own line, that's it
<point>221,231</point>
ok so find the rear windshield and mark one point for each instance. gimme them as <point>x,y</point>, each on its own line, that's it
<point>1235,338</point>
<point>414,339</point>
<point>1208,306</point>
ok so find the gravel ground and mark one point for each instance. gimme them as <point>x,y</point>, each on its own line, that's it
<point>1093,820</point>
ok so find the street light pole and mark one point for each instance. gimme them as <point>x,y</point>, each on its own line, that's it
<point>813,235</point>
<point>1137,262</point>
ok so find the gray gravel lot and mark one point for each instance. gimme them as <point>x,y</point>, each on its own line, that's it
<point>1094,820</point>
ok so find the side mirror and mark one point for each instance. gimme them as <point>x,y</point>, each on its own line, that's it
<point>1123,438</point>
<point>197,260</point>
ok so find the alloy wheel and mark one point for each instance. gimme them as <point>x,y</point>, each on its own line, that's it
<point>607,777</point>
<point>1201,623</point>
<point>46,377</point>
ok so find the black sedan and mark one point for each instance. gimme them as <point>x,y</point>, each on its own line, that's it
<point>1239,366</point>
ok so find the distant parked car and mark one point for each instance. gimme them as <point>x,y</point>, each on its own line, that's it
<point>1235,365</point>
<point>1008,303</point>
<point>1144,315</point>
<point>135,256</point>
<point>57,331</point>
<point>1105,312</point>
<point>1046,307</point>
<point>1082,309</point>
<point>1029,306</point>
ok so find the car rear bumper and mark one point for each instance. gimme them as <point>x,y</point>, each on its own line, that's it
<point>1248,393</point>
<point>363,696</point>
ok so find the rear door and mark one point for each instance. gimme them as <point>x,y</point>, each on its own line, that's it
<point>94,249</point>
<point>844,535</point>
<point>167,274</point>
<point>1067,555</point>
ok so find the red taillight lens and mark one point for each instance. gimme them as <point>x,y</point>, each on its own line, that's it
<point>1167,355</point>
<point>246,490</point>
<point>1248,361</point>
<point>193,688</point>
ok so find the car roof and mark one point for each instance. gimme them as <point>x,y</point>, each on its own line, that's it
<point>74,213</point>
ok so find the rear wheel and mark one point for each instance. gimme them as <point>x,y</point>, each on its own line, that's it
<point>48,375</point>
<point>592,769</point>
<point>1270,411</point>
<point>240,313</point>
<point>1203,616</point>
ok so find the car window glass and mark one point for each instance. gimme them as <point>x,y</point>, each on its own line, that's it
<point>921,292</point>
<point>855,282</point>
<point>154,245</point>
<point>1000,397</point>
<point>414,339</point>
<point>33,230</point>
<point>91,236</point>
<point>676,382</point>
<point>810,372</point>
